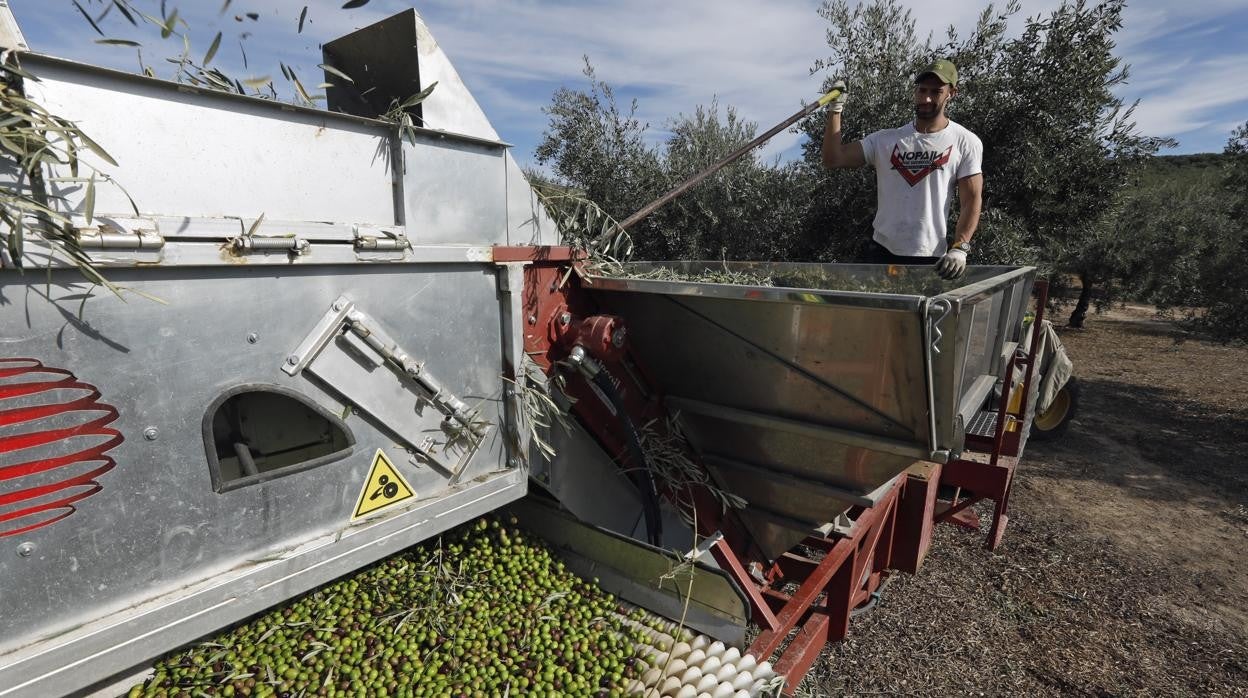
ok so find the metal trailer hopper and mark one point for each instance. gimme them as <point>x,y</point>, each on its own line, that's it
<point>808,396</point>
<point>313,359</point>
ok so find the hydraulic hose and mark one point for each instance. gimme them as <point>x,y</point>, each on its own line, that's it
<point>874,599</point>
<point>640,472</point>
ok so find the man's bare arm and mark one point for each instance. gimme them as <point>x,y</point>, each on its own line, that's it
<point>970,204</point>
<point>836,154</point>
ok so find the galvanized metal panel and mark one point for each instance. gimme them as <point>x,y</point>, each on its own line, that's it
<point>156,526</point>
<point>394,59</point>
<point>156,555</point>
<point>451,107</point>
<point>374,388</point>
<point>454,192</point>
<point>527,221</point>
<point>10,33</point>
<point>186,152</point>
<point>856,368</point>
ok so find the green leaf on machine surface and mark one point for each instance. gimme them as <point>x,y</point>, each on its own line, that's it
<point>89,205</point>
<point>95,148</point>
<point>255,226</point>
<point>419,96</point>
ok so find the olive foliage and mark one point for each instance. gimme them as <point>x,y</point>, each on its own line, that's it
<point>748,210</point>
<point>1185,241</point>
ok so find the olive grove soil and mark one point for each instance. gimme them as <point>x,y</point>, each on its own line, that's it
<point>1124,569</point>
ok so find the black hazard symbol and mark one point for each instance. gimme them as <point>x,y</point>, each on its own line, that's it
<point>384,486</point>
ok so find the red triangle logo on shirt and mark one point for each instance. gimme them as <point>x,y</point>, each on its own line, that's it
<point>913,167</point>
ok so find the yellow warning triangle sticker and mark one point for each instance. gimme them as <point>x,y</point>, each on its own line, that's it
<point>383,487</point>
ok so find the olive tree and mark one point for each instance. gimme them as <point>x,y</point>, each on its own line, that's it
<point>1191,242</point>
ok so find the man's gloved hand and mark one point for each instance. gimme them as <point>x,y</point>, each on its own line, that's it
<point>952,265</point>
<point>838,104</point>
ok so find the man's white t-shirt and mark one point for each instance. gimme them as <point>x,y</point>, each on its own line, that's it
<point>915,176</point>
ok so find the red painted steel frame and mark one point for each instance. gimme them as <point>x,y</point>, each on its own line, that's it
<point>828,589</point>
<point>916,517</point>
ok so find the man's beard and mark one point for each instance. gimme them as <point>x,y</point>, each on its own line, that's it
<point>926,111</point>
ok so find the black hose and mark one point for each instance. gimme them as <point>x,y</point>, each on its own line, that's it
<point>875,599</point>
<point>639,473</point>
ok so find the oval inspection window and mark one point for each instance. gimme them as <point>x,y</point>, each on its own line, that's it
<point>253,434</point>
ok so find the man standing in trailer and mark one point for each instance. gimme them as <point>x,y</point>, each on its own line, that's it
<point>916,169</point>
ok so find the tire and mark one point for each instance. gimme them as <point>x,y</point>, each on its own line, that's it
<point>1054,421</point>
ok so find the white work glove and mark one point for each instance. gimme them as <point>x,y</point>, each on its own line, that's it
<point>952,265</point>
<point>838,104</point>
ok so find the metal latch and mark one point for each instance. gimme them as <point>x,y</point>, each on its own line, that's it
<point>343,317</point>
<point>380,240</point>
<point>113,239</point>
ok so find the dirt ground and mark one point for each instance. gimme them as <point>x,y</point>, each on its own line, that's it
<point>1123,570</point>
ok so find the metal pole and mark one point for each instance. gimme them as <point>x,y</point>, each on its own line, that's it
<point>734,155</point>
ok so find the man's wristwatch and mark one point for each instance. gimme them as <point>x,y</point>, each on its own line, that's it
<point>964,246</point>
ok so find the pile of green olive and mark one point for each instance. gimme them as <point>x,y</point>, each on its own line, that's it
<point>482,610</point>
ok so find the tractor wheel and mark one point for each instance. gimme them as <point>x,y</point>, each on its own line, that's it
<point>1053,422</point>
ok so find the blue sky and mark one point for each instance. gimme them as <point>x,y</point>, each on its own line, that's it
<point>1187,59</point>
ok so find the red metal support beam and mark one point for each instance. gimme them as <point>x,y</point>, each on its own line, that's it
<point>811,588</point>
<point>916,517</point>
<point>793,565</point>
<point>981,481</point>
<point>759,607</point>
<point>835,579</point>
<point>804,650</point>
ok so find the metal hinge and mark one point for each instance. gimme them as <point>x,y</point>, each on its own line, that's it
<point>96,239</point>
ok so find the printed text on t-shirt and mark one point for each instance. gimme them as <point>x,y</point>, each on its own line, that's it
<point>914,166</point>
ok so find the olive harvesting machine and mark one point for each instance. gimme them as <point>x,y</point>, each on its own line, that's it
<point>331,341</point>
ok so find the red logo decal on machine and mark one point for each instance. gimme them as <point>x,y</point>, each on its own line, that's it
<point>53,444</point>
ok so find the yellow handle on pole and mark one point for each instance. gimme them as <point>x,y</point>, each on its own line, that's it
<point>824,100</point>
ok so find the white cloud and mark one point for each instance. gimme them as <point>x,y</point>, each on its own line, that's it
<point>1194,97</point>
<point>753,54</point>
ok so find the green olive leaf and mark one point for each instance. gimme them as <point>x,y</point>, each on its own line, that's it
<point>212,50</point>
